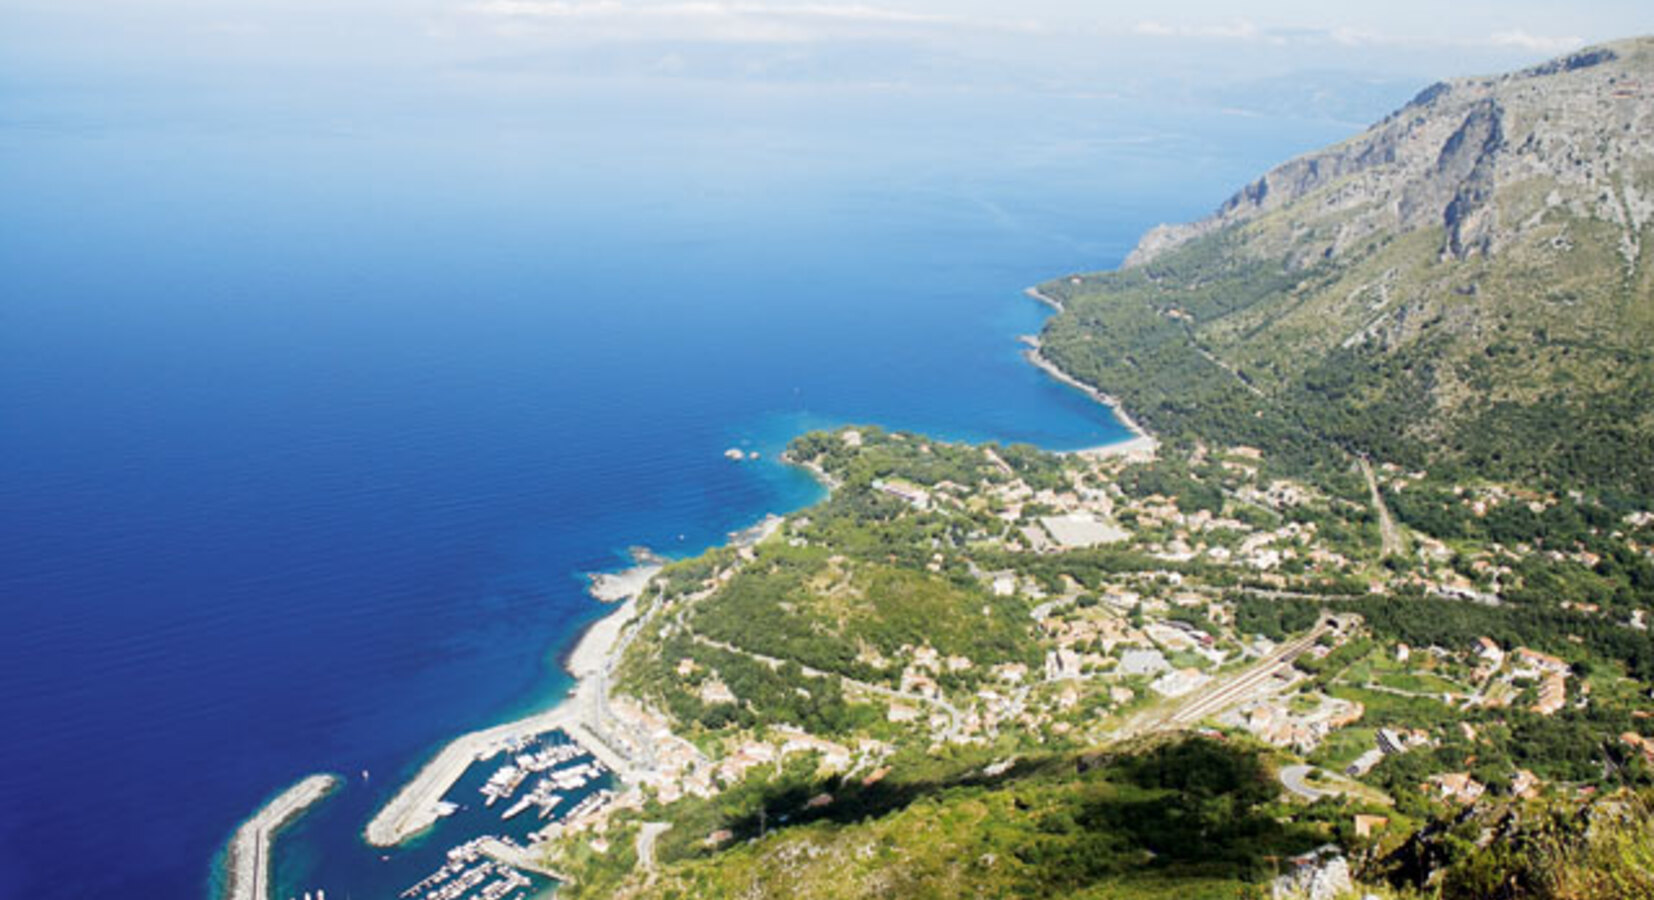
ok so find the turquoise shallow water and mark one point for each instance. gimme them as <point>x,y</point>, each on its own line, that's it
<point>309,425</point>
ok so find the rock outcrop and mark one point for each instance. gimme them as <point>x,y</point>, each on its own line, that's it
<point>1467,281</point>
<point>1456,156</point>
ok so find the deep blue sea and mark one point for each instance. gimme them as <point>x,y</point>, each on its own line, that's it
<point>312,419</point>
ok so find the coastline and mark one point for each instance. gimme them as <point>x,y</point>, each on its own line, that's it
<point>415,808</point>
<point>247,863</point>
<point>583,715</point>
<point>617,587</point>
<point>1142,444</point>
<point>1044,298</point>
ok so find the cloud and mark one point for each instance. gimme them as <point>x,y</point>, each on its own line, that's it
<point>708,9</point>
<point>236,28</point>
<point>731,20</point>
<point>1240,30</point>
<point>1522,40</point>
<point>1349,36</point>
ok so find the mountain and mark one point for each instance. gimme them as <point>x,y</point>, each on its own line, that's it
<point>1466,284</point>
<point>1243,662</point>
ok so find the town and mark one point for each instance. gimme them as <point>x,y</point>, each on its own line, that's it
<point>1006,602</point>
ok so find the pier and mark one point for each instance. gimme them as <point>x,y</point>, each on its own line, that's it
<point>518,858</point>
<point>584,717</point>
<point>414,808</point>
<point>248,877</point>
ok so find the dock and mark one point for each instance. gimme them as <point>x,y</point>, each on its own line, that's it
<point>414,808</point>
<point>585,717</point>
<point>518,858</point>
<point>248,876</point>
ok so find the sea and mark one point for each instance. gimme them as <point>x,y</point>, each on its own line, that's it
<point>314,416</point>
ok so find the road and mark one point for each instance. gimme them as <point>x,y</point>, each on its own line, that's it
<point>646,837</point>
<point>1293,777</point>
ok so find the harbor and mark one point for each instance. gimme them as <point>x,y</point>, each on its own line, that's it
<point>504,805</point>
<point>584,717</point>
<point>418,805</point>
<point>472,873</point>
<point>500,789</point>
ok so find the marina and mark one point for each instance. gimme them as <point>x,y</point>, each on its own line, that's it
<point>505,780</point>
<point>490,803</point>
<point>581,717</point>
<point>472,873</point>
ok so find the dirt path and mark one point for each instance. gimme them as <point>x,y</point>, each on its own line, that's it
<point>1388,532</point>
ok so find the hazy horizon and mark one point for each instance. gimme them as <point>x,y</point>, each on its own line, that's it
<point>431,57</point>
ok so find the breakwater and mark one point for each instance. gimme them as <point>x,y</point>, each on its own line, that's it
<point>248,877</point>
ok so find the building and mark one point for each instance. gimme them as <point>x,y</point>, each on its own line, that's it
<point>1364,763</point>
<point>1489,652</point>
<point>1366,825</point>
<point>1553,693</point>
<point>1540,662</point>
<point>1143,662</point>
<point>1458,787</point>
<point>913,495</point>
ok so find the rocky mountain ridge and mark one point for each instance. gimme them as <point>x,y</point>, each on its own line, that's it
<point>1468,281</point>
<point>1585,122</point>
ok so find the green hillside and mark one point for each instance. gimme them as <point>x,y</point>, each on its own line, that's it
<point>1467,284</point>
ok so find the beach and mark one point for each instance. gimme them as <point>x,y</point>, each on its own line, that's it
<point>415,807</point>
<point>1046,299</point>
<point>613,587</point>
<point>584,715</point>
<point>1141,445</point>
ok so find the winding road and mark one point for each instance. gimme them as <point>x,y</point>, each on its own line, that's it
<point>1293,777</point>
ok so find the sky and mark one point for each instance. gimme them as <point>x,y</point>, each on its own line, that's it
<point>1052,45</point>
<point>355,64</point>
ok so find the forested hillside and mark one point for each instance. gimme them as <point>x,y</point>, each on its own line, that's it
<point>1467,284</point>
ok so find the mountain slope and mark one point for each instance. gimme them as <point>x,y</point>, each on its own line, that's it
<point>1467,283</point>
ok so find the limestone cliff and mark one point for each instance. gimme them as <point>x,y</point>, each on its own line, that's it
<point>1465,156</point>
<point>1467,281</point>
